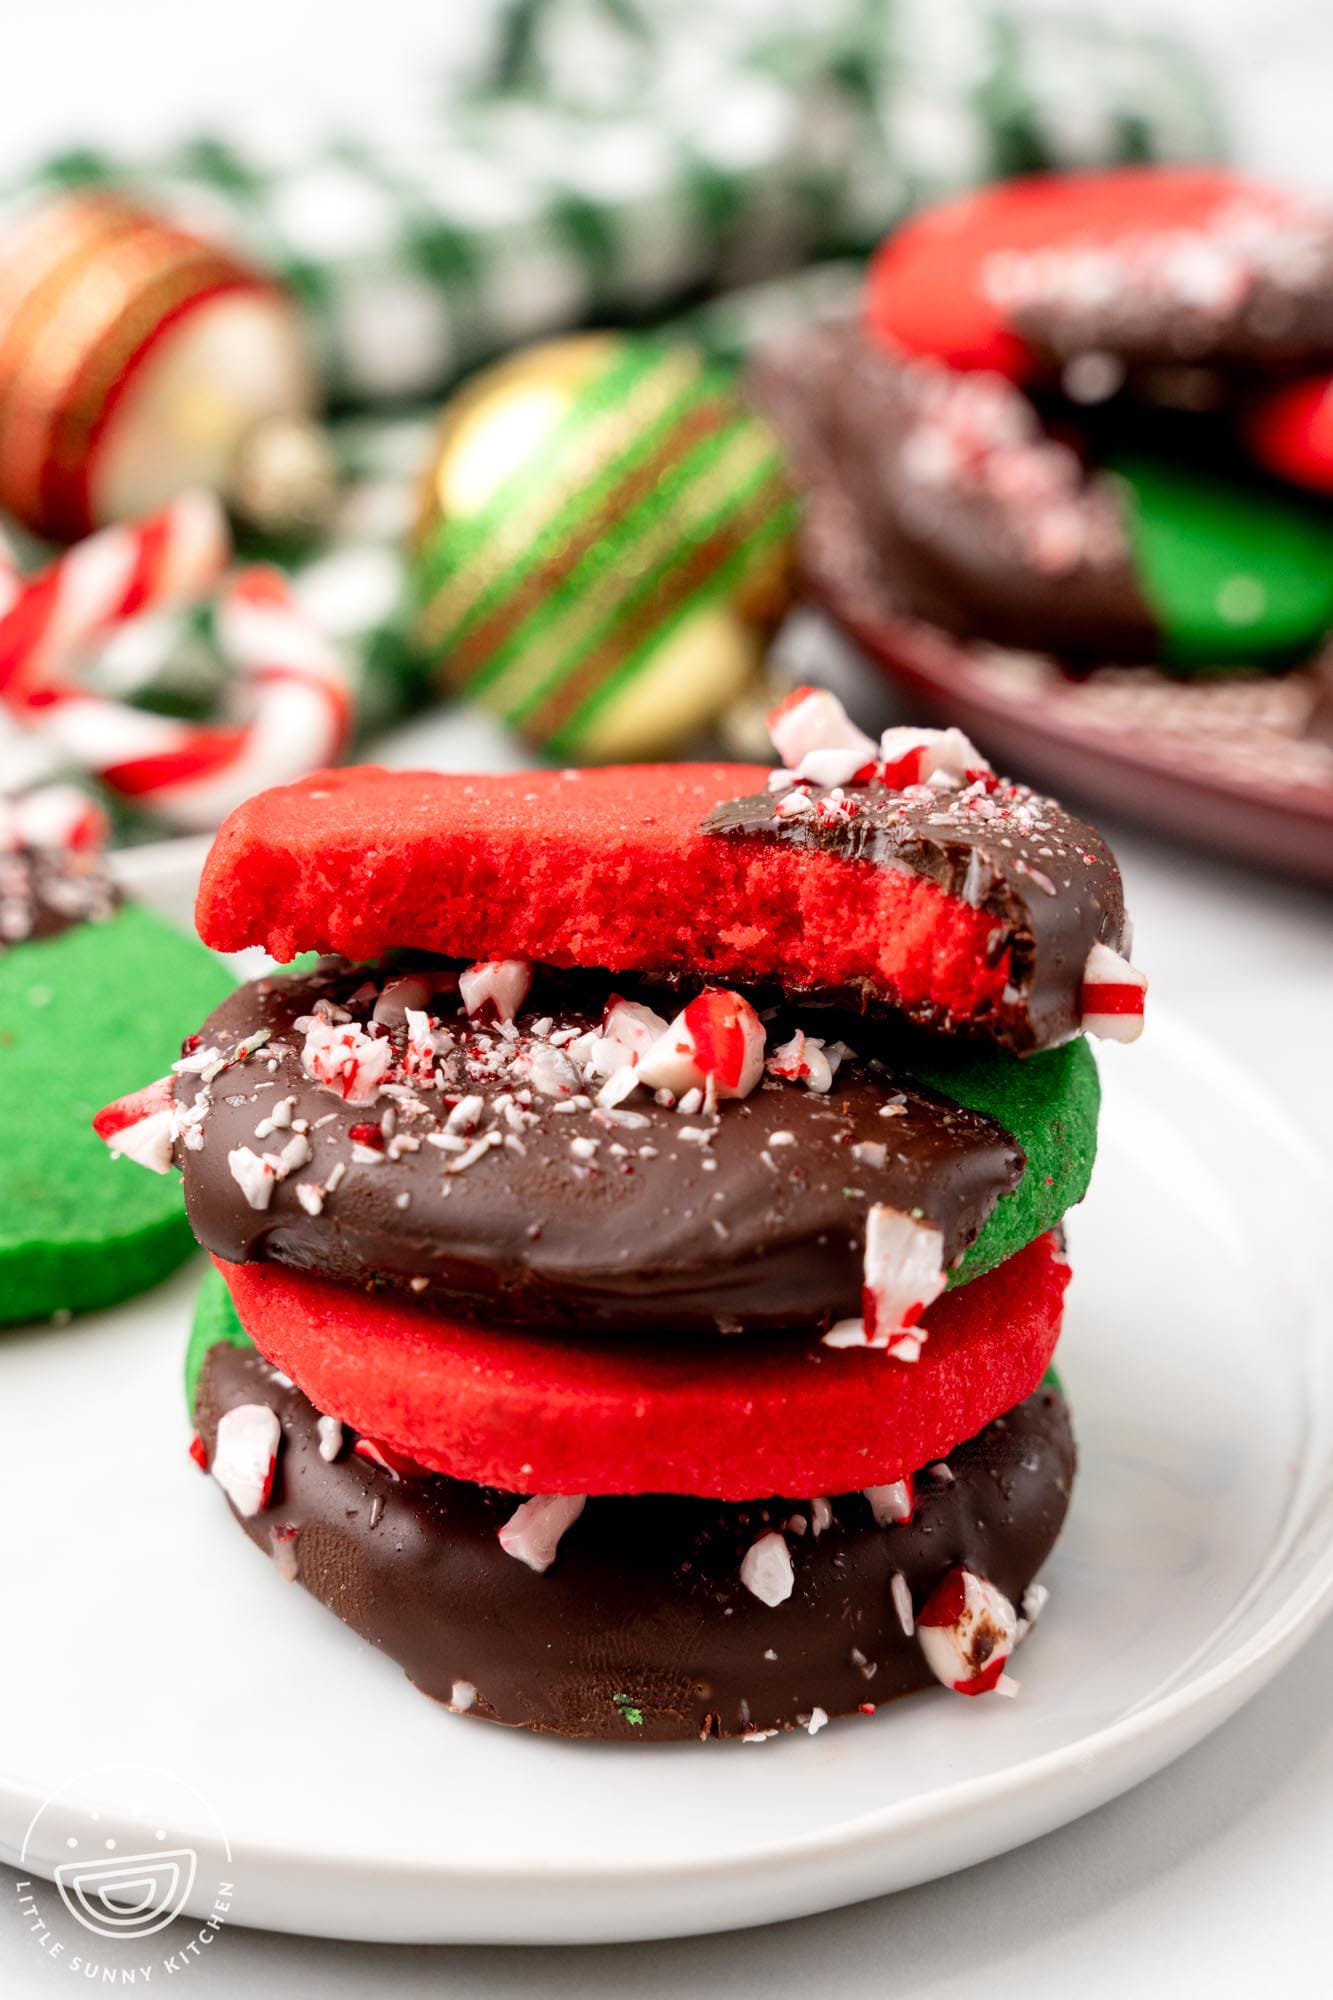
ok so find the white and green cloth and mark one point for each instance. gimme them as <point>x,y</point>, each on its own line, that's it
<point>722,165</point>
<point>617,159</point>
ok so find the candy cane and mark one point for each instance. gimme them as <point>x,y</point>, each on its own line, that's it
<point>1112,996</point>
<point>104,580</point>
<point>190,774</point>
<point>11,577</point>
<point>53,816</point>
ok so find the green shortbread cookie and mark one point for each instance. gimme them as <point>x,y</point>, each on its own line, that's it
<point>1049,1103</point>
<point>214,1324</point>
<point>86,1016</point>
<point>1233,574</point>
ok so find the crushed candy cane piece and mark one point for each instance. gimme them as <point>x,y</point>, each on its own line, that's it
<point>900,1592</point>
<point>816,738</point>
<point>718,1037</point>
<point>532,1532</point>
<point>52,816</point>
<point>501,984</point>
<point>942,758</point>
<point>904,1272</point>
<point>330,1438</point>
<point>818,1720</point>
<point>890,1504</point>
<point>140,1126</point>
<point>1112,996</point>
<point>282,1546</point>
<point>806,1059</point>
<point>254,1175</point>
<point>419,1055</point>
<point>766,1569</point>
<point>631,1028</point>
<point>343,1057</point>
<point>462,1696</point>
<point>396,1463</point>
<point>245,1454</point>
<point>847,1333</point>
<point>966,1630</point>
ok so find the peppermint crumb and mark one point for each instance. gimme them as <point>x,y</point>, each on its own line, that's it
<point>782,1139</point>
<point>403,1200</point>
<point>584,1149</point>
<point>417,1284</point>
<point>310,1197</point>
<point>473,1153</point>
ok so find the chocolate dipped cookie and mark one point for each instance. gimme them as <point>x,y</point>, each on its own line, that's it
<point>1085,416</point>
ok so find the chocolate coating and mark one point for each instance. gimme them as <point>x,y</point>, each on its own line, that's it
<point>47,890</point>
<point>1049,879</point>
<point>1246,292</point>
<point>641,1629</point>
<point>651,1230</point>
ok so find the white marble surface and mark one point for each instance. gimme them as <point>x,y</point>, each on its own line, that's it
<point>1211,1878</point>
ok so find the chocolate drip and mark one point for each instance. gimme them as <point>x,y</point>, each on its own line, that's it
<point>1049,880</point>
<point>752,1218</point>
<point>642,1629</point>
<point>47,890</point>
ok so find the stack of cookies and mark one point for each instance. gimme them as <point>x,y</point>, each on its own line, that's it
<point>637,1244</point>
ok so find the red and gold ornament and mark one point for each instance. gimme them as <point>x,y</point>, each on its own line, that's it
<point>136,360</point>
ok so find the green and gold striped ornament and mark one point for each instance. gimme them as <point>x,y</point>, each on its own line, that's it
<point>605,544</point>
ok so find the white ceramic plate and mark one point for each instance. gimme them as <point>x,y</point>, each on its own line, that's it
<point>1198,1554</point>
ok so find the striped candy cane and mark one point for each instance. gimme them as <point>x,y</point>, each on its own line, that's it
<point>290,690</point>
<point>52,816</point>
<point>49,620</point>
<point>11,577</point>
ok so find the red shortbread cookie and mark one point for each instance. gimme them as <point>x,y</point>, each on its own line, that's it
<point>963,912</point>
<point>601,867</point>
<point>729,1420</point>
<point>927,291</point>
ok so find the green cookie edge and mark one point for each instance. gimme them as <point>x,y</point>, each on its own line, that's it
<point>111,1230</point>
